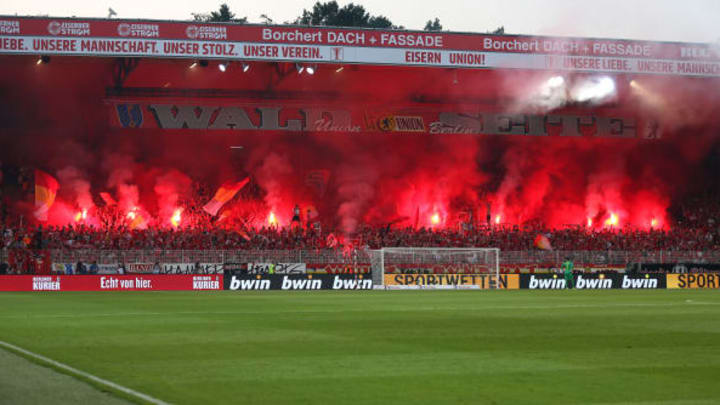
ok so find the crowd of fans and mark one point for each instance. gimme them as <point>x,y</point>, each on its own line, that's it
<point>677,238</point>
<point>570,238</point>
<point>25,248</point>
<point>694,226</point>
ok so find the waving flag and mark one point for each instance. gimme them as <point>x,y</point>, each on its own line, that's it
<point>331,240</point>
<point>542,242</point>
<point>244,235</point>
<point>224,194</point>
<point>45,190</point>
<point>138,221</point>
<point>311,212</point>
<point>109,200</point>
<point>318,180</point>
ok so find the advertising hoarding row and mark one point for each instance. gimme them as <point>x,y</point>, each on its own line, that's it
<point>144,282</point>
<point>241,280</point>
<point>165,39</point>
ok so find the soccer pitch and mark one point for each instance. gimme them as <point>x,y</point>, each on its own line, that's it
<point>374,347</point>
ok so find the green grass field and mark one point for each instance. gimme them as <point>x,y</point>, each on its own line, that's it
<point>420,347</point>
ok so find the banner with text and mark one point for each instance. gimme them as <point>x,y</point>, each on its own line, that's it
<point>693,280</point>
<point>339,268</point>
<point>149,282</point>
<point>191,268</point>
<point>593,281</point>
<point>234,281</point>
<point>278,268</point>
<point>199,116</point>
<point>87,37</point>
<point>451,281</point>
<point>685,267</point>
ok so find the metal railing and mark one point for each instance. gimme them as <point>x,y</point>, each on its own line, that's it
<point>611,257</point>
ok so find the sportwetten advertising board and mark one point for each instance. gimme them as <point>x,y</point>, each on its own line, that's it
<point>451,281</point>
<point>693,280</point>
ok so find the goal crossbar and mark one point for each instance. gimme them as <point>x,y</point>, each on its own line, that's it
<point>437,261</point>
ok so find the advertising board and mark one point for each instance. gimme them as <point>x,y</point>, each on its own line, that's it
<point>237,282</point>
<point>146,282</point>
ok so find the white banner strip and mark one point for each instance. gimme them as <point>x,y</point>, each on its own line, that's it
<point>247,51</point>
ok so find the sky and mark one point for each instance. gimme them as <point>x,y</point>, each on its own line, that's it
<point>662,20</point>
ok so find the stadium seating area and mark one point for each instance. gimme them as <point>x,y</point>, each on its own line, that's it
<point>680,238</point>
<point>694,226</point>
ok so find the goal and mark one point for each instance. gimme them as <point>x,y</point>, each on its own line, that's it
<point>414,267</point>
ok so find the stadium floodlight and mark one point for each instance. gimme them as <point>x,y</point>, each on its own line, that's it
<point>594,90</point>
<point>200,62</point>
<point>309,69</point>
<point>556,81</point>
<point>550,94</point>
<point>479,261</point>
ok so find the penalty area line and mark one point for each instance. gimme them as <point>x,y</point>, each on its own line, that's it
<point>79,373</point>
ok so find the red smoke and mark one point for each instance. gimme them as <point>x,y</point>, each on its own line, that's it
<point>56,120</point>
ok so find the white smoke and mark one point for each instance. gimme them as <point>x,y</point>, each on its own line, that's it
<point>72,179</point>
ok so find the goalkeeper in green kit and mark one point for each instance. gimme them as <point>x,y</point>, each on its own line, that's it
<point>568,267</point>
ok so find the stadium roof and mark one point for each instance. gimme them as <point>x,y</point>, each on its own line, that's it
<point>346,46</point>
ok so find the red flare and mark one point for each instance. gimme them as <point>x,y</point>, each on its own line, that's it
<point>435,219</point>
<point>612,221</point>
<point>272,220</point>
<point>176,217</point>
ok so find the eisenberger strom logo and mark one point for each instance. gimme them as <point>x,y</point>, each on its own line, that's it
<point>46,283</point>
<point>138,30</point>
<point>206,32</point>
<point>9,27</point>
<point>69,28</point>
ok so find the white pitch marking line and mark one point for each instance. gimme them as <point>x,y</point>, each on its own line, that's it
<point>76,372</point>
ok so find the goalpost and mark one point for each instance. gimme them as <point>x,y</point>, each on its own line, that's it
<point>480,265</point>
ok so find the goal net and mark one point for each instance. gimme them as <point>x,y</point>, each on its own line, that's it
<point>436,268</point>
